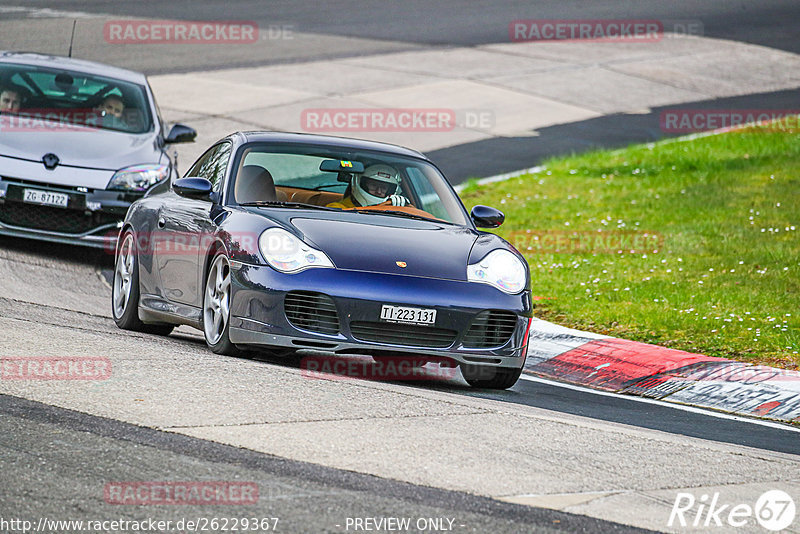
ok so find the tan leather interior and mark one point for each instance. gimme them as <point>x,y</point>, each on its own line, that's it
<point>317,198</point>
<point>255,183</point>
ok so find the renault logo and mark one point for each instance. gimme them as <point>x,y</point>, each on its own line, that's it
<point>50,161</point>
<point>401,264</point>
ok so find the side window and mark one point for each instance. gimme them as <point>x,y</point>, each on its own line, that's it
<point>212,165</point>
<point>428,198</point>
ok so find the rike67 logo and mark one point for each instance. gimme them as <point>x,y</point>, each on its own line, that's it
<point>774,510</point>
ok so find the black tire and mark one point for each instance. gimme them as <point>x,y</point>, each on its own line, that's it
<point>217,335</point>
<point>125,309</point>
<point>488,377</point>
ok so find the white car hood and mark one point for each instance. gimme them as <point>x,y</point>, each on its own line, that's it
<point>87,158</point>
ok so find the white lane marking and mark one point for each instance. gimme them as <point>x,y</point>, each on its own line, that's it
<point>667,404</point>
<point>556,330</point>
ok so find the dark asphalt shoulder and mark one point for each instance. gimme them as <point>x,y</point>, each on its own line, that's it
<point>60,461</point>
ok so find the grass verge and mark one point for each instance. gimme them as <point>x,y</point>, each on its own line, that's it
<point>689,244</point>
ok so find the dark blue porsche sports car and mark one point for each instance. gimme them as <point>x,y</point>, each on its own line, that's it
<point>281,242</point>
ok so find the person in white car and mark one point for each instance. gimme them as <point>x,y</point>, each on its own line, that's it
<point>10,99</point>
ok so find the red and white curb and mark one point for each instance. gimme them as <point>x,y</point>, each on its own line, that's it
<point>633,368</point>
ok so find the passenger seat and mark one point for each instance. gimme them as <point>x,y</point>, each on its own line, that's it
<point>254,184</point>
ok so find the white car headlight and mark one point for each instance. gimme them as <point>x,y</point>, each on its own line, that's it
<point>501,269</point>
<point>138,177</point>
<point>288,254</point>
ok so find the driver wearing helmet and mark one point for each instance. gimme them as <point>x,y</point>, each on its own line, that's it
<point>376,185</point>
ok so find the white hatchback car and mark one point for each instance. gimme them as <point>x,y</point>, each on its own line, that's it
<point>79,142</point>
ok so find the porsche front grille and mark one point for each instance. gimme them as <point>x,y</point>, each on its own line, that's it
<point>312,311</point>
<point>490,328</point>
<point>400,334</point>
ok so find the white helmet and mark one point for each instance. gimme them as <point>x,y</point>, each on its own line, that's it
<point>387,180</point>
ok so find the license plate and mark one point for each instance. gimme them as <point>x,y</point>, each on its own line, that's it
<point>48,198</point>
<point>401,314</point>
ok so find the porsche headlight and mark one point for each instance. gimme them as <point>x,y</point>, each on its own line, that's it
<point>501,269</point>
<point>138,177</point>
<point>288,254</point>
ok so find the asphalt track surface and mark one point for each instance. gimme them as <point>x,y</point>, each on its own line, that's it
<point>548,395</point>
<point>45,450</point>
<point>506,154</point>
<point>652,415</point>
<point>376,26</point>
<point>770,23</point>
<point>67,456</point>
<point>540,394</point>
<point>55,461</point>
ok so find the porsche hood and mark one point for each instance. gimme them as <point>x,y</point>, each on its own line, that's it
<point>391,245</point>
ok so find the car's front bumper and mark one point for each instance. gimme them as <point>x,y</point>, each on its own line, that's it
<point>259,317</point>
<point>91,218</point>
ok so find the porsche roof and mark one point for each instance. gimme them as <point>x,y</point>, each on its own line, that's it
<point>316,139</point>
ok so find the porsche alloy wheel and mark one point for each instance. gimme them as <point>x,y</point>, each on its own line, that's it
<point>125,291</point>
<point>216,306</point>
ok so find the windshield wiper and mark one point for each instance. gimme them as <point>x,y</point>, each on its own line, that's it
<point>283,204</point>
<point>398,213</point>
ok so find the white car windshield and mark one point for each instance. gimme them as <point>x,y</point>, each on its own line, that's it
<point>52,98</point>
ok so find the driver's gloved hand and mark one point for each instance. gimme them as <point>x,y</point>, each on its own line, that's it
<point>398,200</point>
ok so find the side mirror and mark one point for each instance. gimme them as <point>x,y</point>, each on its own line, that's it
<point>180,133</point>
<point>198,188</point>
<point>486,217</point>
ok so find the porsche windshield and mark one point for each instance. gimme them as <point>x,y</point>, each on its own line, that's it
<point>46,98</point>
<point>364,181</point>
